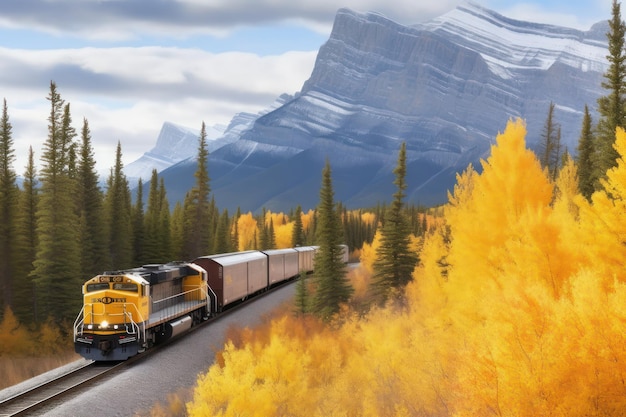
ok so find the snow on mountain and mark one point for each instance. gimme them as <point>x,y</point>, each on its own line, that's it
<point>177,143</point>
<point>508,45</point>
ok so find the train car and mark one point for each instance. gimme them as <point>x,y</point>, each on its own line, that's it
<point>282,264</point>
<point>125,312</point>
<point>306,258</point>
<point>235,276</point>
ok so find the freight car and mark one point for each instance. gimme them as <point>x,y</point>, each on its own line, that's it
<point>126,312</point>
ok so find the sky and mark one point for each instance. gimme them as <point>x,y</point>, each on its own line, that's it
<point>127,66</point>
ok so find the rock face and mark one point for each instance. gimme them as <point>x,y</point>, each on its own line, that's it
<point>445,87</point>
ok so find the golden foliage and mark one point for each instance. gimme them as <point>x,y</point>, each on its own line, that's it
<point>518,308</point>
<point>248,231</point>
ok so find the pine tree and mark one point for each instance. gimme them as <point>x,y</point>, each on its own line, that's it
<point>332,287</point>
<point>177,232</point>
<point>58,253</point>
<point>138,227</point>
<point>395,262</point>
<point>165,252</point>
<point>197,206</point>
<point>549,148</point>
<point>297,234</point>
<point>235,235</point>
<point>222,237</point>
<point>612,107</point>
<point>90,210</point>
<point>8,205</point>
<point>301,301</point>
<point>26,244</point>
<point>157,225</point>
<point>585,157</point>
<point>117,208</point>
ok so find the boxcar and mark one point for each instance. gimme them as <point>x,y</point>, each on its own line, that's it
<point>306,258</point>
<point>234,276</point>
<point>282,264</point>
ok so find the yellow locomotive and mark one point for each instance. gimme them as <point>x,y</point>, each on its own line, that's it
<point>125,312</point>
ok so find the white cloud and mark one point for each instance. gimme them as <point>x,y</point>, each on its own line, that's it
<point>127,93</point>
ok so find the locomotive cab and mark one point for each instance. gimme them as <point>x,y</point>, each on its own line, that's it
<point>111,325</point>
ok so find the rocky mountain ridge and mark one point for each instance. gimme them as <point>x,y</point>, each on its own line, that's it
<point>446,87</point>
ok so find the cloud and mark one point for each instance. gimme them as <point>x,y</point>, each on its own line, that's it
<point>121,19</point>
<point>127,93</point>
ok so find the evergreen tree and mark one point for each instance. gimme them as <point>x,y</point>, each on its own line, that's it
<point>271,235</point>
<point>90,210</point>
<point>26,245</point>
<point>58,253</point>
<point>301,302</point>
<point>235,235</point>
<point>549,147</point>
<point>394,262</point>
<point>157,223</point>
<point>197,206</point>
<point>332,287</point>
<point>222,237</point>
<point>177,232</point>
<point>612,107</point>
<point>118,207</point>
<point>264,239</point>
<point>165,252</point>
<point>585,157</point>
<point>138,227</point>
<point>297,233</point>
<point>8,205</point>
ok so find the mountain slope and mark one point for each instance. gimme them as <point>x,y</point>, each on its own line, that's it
<point>446,87</point>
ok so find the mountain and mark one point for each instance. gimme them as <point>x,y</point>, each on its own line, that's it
<point>446,87</point>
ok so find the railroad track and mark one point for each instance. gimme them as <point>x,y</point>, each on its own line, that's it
<point>40,395</point>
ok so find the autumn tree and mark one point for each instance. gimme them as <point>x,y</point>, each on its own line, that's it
<point>332,288</point>
<point>89,199</point>
<point>395,261</point>
<point>8,205</point>
<point>585,156</point>
<point>612,107</point>
<point>117,213</point>
<point>58,252</point>
<point>197,206</point>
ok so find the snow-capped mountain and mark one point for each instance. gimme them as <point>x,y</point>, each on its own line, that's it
<point>446,87</point>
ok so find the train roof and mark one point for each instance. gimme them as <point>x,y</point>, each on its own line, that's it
<point>155,273</point>
<point>234,257</point>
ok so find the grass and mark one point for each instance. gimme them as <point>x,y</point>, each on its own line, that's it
<point>15,370</point>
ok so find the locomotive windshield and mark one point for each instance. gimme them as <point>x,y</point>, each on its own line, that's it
<point>125,286</point>
<point>98,286</point>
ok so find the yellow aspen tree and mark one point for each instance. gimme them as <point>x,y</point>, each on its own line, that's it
<point>248,231</point>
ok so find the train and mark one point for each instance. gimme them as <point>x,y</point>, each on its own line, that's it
<point>128,311</point>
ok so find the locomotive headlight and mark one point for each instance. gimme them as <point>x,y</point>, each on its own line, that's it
<point>90,327</point>
<point>104,324</point>
<point>115,326</point>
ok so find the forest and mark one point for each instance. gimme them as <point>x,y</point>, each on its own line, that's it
<point>517,307</point>
<point>508,300</point>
